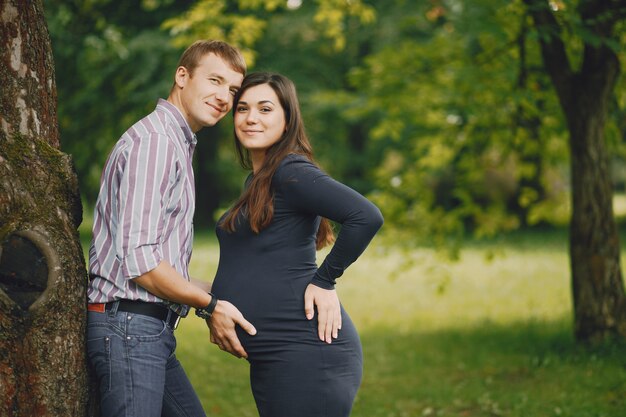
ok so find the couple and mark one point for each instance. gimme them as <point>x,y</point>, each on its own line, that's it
<point>269,302</point>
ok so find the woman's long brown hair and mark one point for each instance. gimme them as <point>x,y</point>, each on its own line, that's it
<point>257,201</point>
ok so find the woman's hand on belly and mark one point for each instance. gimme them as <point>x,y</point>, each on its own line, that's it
<point>328,311</point>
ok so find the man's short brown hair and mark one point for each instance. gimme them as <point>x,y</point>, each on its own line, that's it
<point>190,59</point>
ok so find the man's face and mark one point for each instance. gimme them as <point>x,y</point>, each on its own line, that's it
<point>207,95</point>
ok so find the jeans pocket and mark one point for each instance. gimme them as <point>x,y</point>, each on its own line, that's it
<point>145,328</point>
<point>99,353</point>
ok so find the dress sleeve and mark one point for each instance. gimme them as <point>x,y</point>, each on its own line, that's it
<point>307,189</point>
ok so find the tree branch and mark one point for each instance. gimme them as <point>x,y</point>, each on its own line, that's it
<point>600,66</point>
<point>552,49</point>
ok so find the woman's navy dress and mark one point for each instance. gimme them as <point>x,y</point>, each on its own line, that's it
<point>292,372</point>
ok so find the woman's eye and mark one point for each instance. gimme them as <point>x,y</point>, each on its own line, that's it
<point>265,110</point>
<point>241,109</point>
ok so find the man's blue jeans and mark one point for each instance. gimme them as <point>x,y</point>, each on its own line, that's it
<point>139,375</point>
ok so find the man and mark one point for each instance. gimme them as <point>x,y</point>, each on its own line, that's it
<point>142,236</point>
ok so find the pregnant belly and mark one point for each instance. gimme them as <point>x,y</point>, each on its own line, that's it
<point>276,313</point>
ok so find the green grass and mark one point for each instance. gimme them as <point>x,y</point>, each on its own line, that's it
<point>487,335</point>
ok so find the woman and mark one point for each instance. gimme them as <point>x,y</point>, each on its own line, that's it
<point>301,364</point>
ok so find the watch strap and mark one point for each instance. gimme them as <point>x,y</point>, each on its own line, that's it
<point>206,312</point>
<point>211,307</point>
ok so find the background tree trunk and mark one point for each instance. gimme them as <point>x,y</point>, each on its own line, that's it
<point>597,285</point>
<point>599,302</point>
<point>42,270</point>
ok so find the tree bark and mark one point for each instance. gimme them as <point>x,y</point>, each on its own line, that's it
<point>42,270</point>
<point>597,283</point>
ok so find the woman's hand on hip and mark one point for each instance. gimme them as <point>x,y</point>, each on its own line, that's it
<point>328,311</point>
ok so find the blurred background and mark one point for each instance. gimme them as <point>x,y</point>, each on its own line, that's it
<point>441,112</point>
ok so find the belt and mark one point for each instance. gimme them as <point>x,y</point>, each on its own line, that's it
<point>158,311</point>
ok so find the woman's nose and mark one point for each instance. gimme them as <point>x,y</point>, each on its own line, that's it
<point>251,117</point>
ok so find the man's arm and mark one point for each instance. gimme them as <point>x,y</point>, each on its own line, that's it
<point>166,283</point>
<point>203,285</point>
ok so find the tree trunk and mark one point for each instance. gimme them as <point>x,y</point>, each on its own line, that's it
<point>597,284</point>
<point>42,270</point>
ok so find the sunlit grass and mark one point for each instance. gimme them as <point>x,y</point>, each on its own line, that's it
<point>487,335</point>
<point>422,289</point>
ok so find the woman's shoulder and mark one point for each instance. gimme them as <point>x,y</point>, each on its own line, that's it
<point>294,165</point>
<point>294,159</point>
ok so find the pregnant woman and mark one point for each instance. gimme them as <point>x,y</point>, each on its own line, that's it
<point>306,358</point>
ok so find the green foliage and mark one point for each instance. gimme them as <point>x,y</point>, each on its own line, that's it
<point>450,113</point>
<point>210,19</point>
<point>111,67</point>
<point>440,111</point>
<point>242,22</point>
<point>331,15</point>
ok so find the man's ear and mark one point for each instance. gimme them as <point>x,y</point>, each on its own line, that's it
<point>181,77</point>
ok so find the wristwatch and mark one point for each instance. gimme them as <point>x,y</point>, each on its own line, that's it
<point>207,312</point>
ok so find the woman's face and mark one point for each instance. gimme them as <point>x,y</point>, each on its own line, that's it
<point>259,119</point>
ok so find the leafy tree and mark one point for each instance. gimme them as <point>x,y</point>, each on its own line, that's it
<point>455,112</point>
<point>442,111</point>
<point>580,42</point>
<point>457,102</point>
<point>502,136</point>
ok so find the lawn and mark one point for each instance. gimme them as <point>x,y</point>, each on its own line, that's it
<point>487,335</point>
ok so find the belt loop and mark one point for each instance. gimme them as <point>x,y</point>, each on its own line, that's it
<point>174,325</point>
<point>114,307</point>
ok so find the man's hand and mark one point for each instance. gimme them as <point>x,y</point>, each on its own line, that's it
<point>328,311</point>
<point>222,327</point>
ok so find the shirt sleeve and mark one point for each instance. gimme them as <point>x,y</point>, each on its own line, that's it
<point>306,188</point>
<point>144,184</point>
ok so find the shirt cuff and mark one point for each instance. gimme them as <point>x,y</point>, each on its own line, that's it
<point>141,260</point>
<point>318,281</point>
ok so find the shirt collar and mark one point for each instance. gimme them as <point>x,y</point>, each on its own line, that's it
<point>175,113</point>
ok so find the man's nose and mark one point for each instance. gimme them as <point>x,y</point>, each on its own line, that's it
<point>223,94</point>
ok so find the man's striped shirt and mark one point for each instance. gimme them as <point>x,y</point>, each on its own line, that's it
<point>144,212</point>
